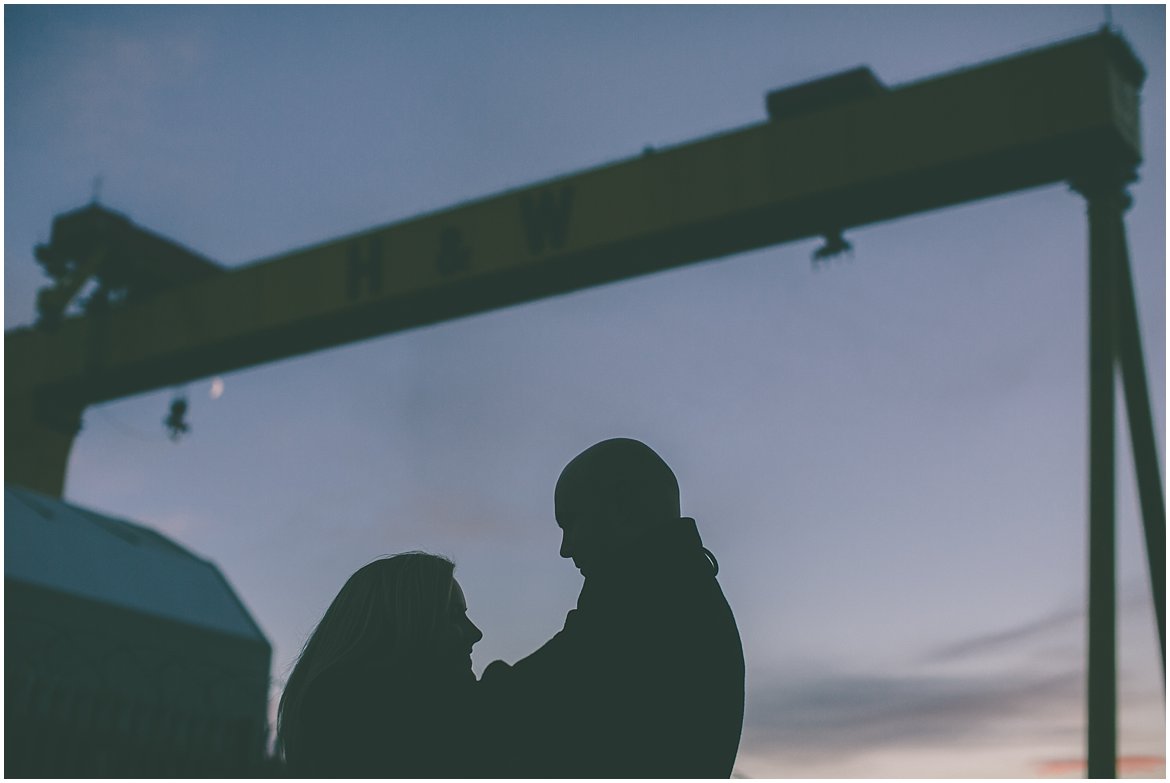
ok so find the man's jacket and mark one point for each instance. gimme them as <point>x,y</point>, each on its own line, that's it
<point>645,680</point>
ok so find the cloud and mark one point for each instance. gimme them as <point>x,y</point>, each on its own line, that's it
<point>1136,765</point>
<point>999,640</point>
<point>830,717</point>
<point>962,695</point>
<point>1135,596</point>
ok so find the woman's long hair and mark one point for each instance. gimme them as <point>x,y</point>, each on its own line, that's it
<point>393,608</point>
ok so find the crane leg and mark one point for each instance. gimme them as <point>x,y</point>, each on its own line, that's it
<point>1106,196</point>
<point>38,436</point>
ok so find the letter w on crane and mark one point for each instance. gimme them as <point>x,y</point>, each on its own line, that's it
<point>546,218</point>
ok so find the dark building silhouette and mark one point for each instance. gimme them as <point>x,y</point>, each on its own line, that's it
<point>125,654</point>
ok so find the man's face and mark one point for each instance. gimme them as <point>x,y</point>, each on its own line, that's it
<point>581,529</point>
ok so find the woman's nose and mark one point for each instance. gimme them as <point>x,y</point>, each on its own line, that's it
<point>476,634</point>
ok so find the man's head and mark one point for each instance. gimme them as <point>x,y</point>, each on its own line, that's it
<point>609,494</point>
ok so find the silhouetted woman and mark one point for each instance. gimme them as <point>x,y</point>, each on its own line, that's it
<point>383,686</point>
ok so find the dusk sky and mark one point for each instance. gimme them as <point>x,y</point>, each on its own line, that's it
<point>887,453</point>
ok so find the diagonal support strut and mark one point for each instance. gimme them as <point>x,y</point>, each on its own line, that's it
<point>1141,429</point>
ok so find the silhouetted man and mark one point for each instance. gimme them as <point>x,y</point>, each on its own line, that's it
<point>647,677</point>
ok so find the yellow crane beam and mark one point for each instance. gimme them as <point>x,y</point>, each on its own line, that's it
<point>1024,121</point>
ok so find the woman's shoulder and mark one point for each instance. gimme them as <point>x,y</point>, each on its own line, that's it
<point>384,696</point>
<point>365,720</point>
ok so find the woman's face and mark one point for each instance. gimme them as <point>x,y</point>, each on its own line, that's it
<point>461,634</point>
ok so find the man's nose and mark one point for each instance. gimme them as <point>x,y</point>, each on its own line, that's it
<point>566,547</point>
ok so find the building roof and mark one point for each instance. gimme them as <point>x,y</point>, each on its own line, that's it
<point>52,544</point>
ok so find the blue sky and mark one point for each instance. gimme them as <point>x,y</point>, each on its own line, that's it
<point>886,453</point>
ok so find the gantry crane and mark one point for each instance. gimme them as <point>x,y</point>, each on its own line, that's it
<point>834,154</point>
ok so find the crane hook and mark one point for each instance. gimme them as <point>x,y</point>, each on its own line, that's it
<point>175,421</point>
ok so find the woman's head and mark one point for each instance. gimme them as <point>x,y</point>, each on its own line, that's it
<point>396,607</point>
<point>405,610</point>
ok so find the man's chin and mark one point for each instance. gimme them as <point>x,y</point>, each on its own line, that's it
<point>464,671</point>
